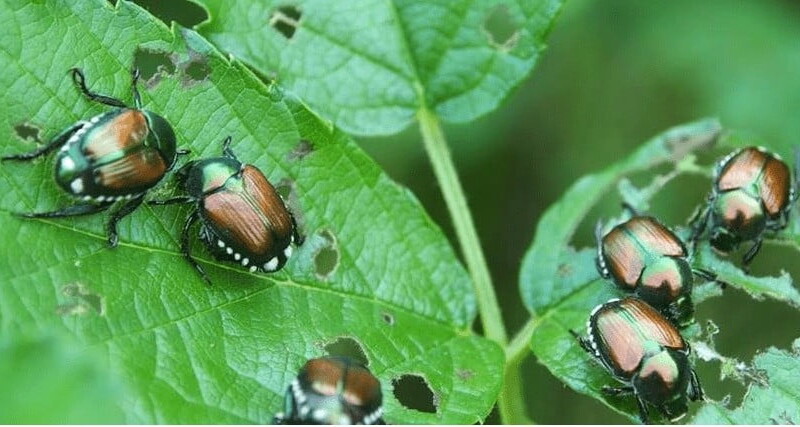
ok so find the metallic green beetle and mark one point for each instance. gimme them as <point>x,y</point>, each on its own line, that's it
<point>117,155</point>
<point>646,353</point>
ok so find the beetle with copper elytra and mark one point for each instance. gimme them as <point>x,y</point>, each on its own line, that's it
<point>243,217</point>
<point>117,155</point>
<point>646,353</point>
<point>333,390</point>
<point>644,257</point>
<point>753,193</point>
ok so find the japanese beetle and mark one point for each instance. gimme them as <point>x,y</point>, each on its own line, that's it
<point>646,353</point>
<point>644,257</point>
<point>752,193</point>
<point>117,155</point>
<point>243,217</point>
<point>333,390</point>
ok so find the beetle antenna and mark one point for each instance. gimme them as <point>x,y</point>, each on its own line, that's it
<point>137,99</point>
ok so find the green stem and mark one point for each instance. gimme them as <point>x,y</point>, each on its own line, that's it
<point>511,402</point>
<point>445,171</point>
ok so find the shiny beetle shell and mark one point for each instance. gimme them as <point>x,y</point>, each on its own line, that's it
<point>644,351</point>
<point>753,192</point>
<point>243,217</point>
<point>629,246</point>
<point>760,174</point>
<point>116,154</point>
<point>247,215</point>
<point>333,390</point>
<point>644,257</point>
<point>623,330</point>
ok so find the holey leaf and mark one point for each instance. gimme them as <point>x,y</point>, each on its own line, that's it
<point>375,278</point>
<point>370,65</point>
<point>773,397</point>
<point>561,285</point>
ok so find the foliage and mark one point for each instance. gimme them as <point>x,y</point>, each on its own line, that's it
<point>140,336</point>
<point>370,65</point>
<point>197,354</point>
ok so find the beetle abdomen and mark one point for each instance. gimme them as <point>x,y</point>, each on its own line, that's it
<point>628,330</point>
<point>267,200</point>
<point>250,216</point>
<point>741,170</point>
<point>108,157</point>
<point>775,186</point>
<point>628,246</point>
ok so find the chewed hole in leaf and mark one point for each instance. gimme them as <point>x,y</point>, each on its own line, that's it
<point>27,131</point>
<point>152,65</point>
<point>465,374</point>
<point>387,318</point>
<point>501,29</point>
<point>184,12</point>
<point>284,188</point>
<point>347,347</point>
<point>285,20</point>
<point>303,148</point>
<point>80,301</point>
<point>196,70</point>
<point>327,257</point>
<point>413,392</point>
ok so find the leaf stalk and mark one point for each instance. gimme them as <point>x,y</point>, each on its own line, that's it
<point>445,171</point>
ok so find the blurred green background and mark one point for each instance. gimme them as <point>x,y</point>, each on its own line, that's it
<point>615,74</point>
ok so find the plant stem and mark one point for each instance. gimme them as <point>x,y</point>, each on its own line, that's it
<point>511,402</point>
<point>445,171</point>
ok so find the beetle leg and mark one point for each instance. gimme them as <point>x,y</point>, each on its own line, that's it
<point>751,253</point>
<point>125,210</point>
<point>75,210</point>
<point>80,81</point>
<point>796,168</point>
<point>296,236</point>
<point>598,261</point>
<point>186,245</point>
<point>698,224</point>
<point>631,210</point>
<point>709,276</point>
<point>56,142</point>
<point>137,99</point>
<point>642,410</point>
<point>584,343</point>
<point>172,201</point>
<point>617,391</point>
<point>695,389</point>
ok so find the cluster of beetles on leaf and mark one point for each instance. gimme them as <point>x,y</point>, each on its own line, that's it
<point>122,154</point>
<point>637,338</point>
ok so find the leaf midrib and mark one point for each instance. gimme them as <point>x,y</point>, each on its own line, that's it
<point>275,281</point>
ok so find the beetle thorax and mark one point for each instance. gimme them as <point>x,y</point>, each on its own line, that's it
<point>664,280</point>
<point>740,213</point>
<point>209,175</point>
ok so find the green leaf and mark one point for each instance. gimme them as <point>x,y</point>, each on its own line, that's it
<point>374,268</point>
<point>773,399</point>
<point>562,287</point>
<point>74,390</point>
<point>778,288</point>
<point>539,274</point>
<point>370,65</point>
